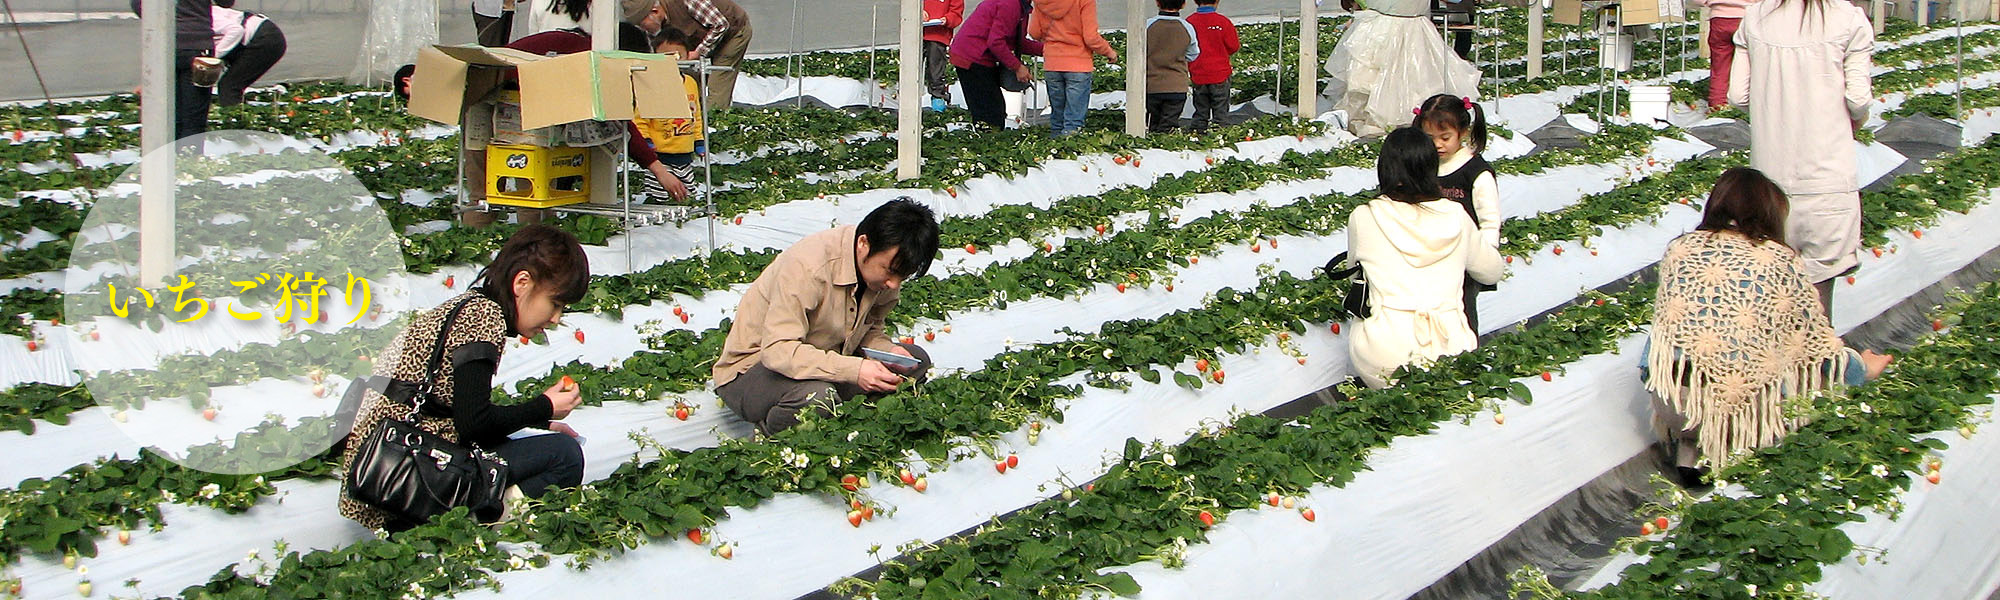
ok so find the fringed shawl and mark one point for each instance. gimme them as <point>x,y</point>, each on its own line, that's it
<point>1736,329</point>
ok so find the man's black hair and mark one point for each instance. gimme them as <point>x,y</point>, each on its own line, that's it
<point>396,83</point>
<point>904,224</point>
<point>1407,169</point>
<point>633,39</point>
<point>1172,4</point>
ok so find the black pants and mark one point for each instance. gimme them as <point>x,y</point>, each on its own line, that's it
<point>190,101</point>
<point>773,402</point>
<point>540,462</point>
<point>1211,105</point>
<point>493,31</point>
<point>250,61</point>
<point>937,70</point>
<point>1163,111</point>
<point>1461,42</point>
<point>981,85</point>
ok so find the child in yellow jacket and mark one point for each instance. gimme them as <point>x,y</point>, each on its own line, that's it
<point>677,141</point>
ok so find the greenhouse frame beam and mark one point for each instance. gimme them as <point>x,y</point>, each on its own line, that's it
<point>157,133</point>
<point>909,86</point>
<point>1135,66</point>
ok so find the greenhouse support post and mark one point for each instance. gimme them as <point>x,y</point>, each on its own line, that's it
<point>909,82</point>
<point>1308,56</point>
<point>604,25</point>
<point>1135,67</point>
<point>1535,34</point>
<point>156,135</point>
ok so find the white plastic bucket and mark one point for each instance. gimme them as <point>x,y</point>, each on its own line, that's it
<point>1650,104</point>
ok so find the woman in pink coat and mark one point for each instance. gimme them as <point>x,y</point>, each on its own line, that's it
<point>1802,71</point>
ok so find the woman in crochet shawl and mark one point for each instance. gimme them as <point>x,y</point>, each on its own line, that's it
<point>1737,328</point>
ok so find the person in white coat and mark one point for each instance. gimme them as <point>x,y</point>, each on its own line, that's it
<point>1802,69</point>
<point>1415,249</point>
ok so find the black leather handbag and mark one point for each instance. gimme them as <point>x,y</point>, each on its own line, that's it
<point>415,474</point>
<point>1356,302</point>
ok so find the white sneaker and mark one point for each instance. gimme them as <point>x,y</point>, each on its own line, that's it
<point>511,502</point>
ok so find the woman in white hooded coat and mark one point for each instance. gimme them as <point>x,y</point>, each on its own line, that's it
<point>1415,249</point>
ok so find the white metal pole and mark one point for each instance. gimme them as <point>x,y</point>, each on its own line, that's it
<point>874,39</point>
<point>1278,78</point>
<point>1879,9</point>
<point>1308,57</point>
<point>1923,12</point>
<point>604,25</point>
<point>1958,91</point>
<point>909,79</point>
<point>156,132</point>
<point>798,49</point>
<point>1535,34</point>
<point>1135,67</point>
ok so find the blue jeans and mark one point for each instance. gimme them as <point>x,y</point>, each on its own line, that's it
<point>1069,98</point>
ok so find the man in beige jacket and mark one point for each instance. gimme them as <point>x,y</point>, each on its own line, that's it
<point>1802,70</point>
<point>801,327</point>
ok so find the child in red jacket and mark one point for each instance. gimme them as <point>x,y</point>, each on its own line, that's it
<point>1210,72</point>
<point>941,18</point>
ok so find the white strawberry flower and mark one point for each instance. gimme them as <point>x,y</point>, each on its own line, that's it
<point>1107,354</point>
<point>853,434</point>
<point>1879,470</point>
<point>833,461</point>
<point>515,562</point>
<point>1866,409</point>
<point>1783,500</point>
<point>1751,587</point>
<point>209,491</point>
<point>1169,459</point>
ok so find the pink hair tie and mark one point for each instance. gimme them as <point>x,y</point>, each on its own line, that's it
<point>1468,102</point>
<point>1417,111</point>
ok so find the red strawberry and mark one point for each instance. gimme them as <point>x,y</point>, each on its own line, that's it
<point>1934,477</point>
<point>1101,227</point>
<point>1135,162</point>
<point>1170,287</point>
<point>1917,232</point>
<point>1302,361</point>
<point>1274,243</point>
<point>930,336</point>
<point>1878,253</point>
<point>952,191</point>
<point>739,220</point>
<point>1559,250</point>
<point>678,311</point>
<point>1598,302</point>
<point>579,336</point>
<point>684,317</point>
<point>867,512</point>
<point>1121,287</point>
<point>1048,247</point>
<point>1256,247</point>
<point>1646,529</point>
<point>1218,376</point>
<point>1660,523</point>
<point>1211,159</point>
<point>208,413</point>
<point>909,340</point>
<point>1273,499</point>
<point>1546,376</point>
<point>568,382</point>
<point>1336,329</point>
<point>1309,515</point>
<point>971,249</point>
<point>1013,461</point>
<point>32,346</point>
<point>1000,466</point>
<point>923,483</point>
<point>93,336</point>
<point>854,518</point>
<point>1120,159</point>
<point>18,135</point>
<point>907,477</point>
<point>694,535</point>
<point>1284,336</point>
<point>1207,520</point>
<point>524,340</point>
<point>1850,280</point>
<point>1194,260</point>
<point>1510,259</point>
<point>1937,324</point>
<point>681,413</point>
<point>850,483</point>
<point>1201,365</point>
<point>450,281</point>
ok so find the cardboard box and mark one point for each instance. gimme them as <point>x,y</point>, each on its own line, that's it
<point>594,91</point>
<point>603,86</point>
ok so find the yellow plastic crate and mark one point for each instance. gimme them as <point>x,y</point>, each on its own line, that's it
<point>537,177</point>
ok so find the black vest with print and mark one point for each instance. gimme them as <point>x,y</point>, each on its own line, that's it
<point>1457,186</point>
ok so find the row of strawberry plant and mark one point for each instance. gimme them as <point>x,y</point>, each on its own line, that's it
<point>1859,453</point>
<point>924,298</point>
<point>1145,501</point>
<point>605,518</point>
<point>649,370</point>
